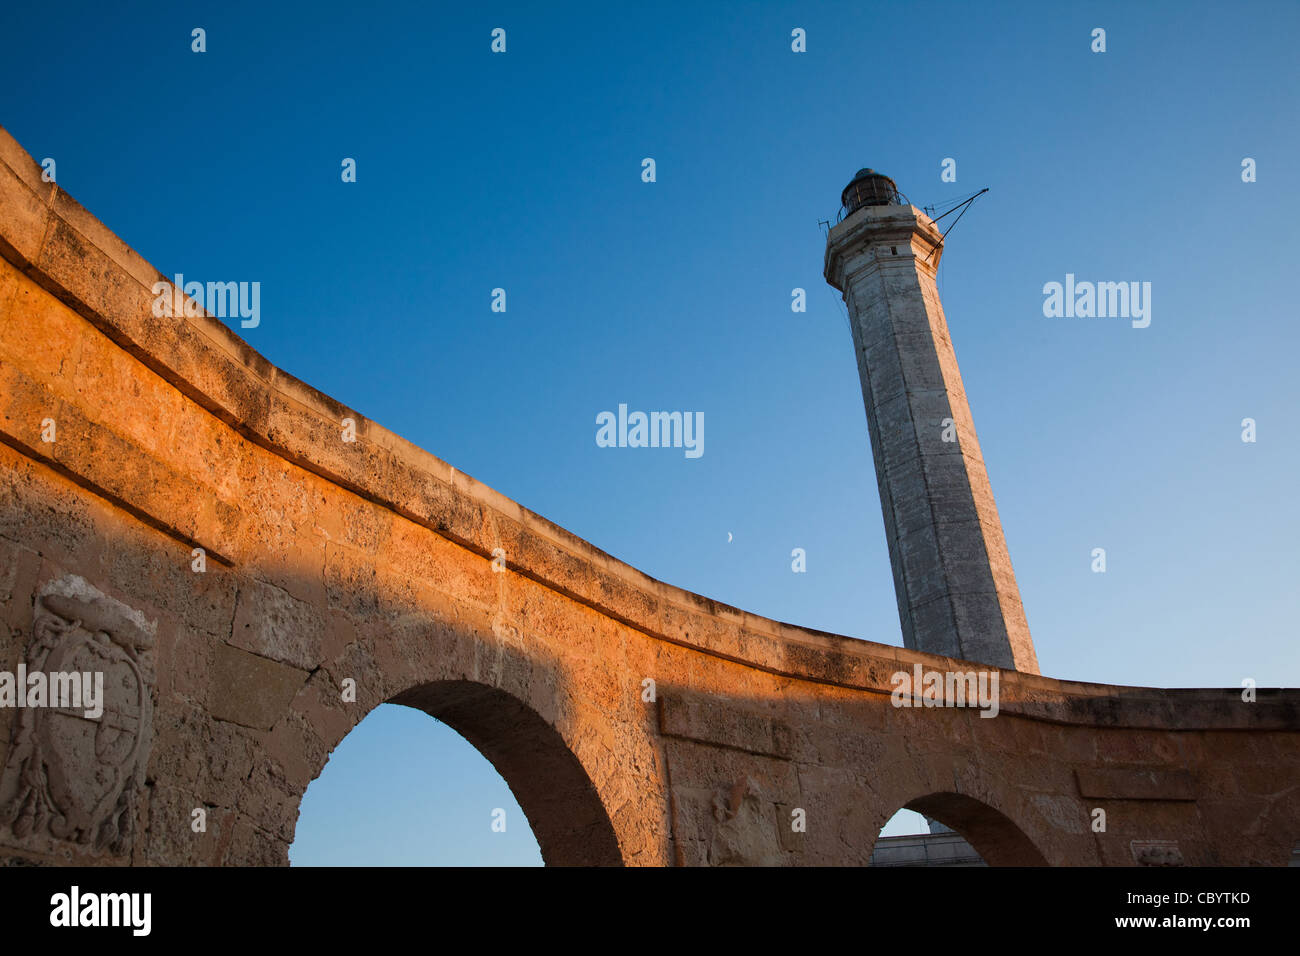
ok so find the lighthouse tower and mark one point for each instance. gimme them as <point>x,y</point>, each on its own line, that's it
<point>957,593</point>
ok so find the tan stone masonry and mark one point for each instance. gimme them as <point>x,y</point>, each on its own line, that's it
<point>370,562</point>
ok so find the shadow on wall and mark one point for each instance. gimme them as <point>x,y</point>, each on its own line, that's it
<point>240,718</point>
<point>247,665</point>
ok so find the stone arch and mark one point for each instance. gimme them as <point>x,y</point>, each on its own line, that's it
<point>516,704</point>
<point>994,835</point>
<point>558,798</point>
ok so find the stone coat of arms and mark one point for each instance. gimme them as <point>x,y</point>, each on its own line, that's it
<point>69,775</point>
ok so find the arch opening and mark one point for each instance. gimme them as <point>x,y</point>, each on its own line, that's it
<point>404,789</point>
<point>909,839</point>
<point>992,834</point>
<point>545,778</point>
<point>550,783</point>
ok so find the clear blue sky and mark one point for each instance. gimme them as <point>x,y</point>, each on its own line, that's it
<point>523,171</point>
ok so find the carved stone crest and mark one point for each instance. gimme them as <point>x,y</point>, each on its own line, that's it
<point>742,836</point>
<point>70,775</point>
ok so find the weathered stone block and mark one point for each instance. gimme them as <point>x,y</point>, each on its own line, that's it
<point>249,690</point>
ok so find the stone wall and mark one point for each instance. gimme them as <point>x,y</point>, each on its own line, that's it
<point>339,575</point>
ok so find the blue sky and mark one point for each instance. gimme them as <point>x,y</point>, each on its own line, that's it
<point>522,171</point>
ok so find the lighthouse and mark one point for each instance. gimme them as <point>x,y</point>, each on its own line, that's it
<point>956,590</point>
